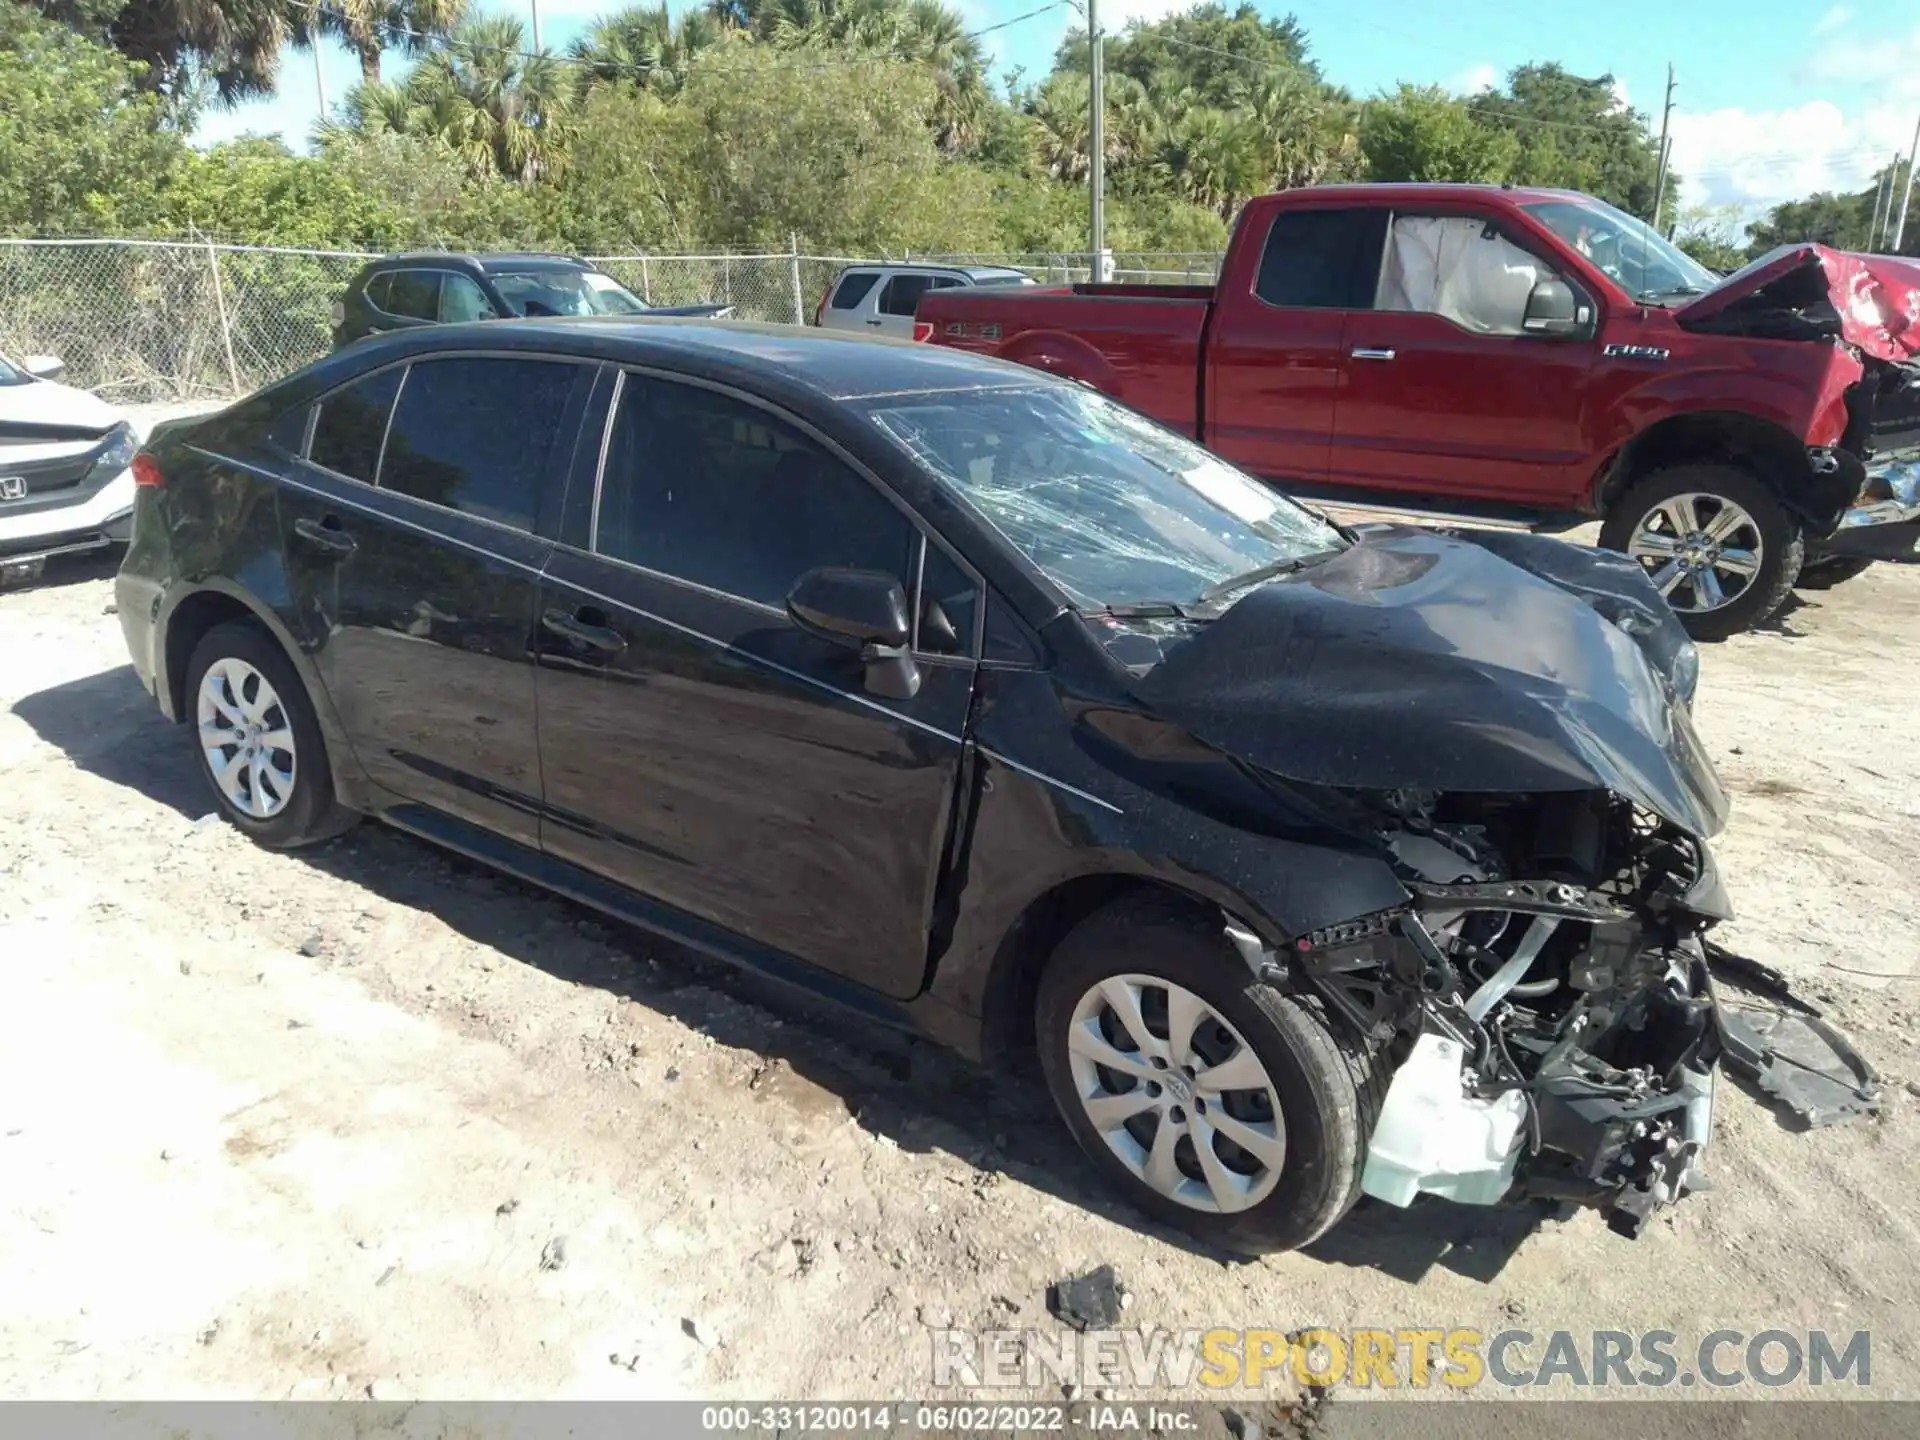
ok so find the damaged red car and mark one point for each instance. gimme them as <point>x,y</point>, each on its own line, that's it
<point>1534,357</point>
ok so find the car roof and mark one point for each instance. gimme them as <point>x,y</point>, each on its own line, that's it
<point>823,364</point>
<point>488,263</point>
<point>974,272</point>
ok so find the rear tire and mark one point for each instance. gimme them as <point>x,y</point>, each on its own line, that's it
<point>1826,572</point>
<point>259,743</point>
<point>1306,1111</point>
<point>1744,546</point>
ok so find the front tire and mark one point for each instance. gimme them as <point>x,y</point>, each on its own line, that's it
<point>1715,541</point>
<point>1217,1103</point>
<point>258,741</point>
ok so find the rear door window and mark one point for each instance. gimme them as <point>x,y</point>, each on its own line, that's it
<point>1322,259</point>
<point>854,288</point>
<point>478,434</point>
<point>352,423</point>
<point>414,294</point>
<point>903,292</point>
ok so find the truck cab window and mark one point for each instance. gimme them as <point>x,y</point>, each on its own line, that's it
<point>1461,268</point>
<point>1322,259</point>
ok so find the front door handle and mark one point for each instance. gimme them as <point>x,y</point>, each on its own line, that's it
<point>586,626</point>
<point>324,537</point>
<point>876,323</point>
<point>1365,352</point>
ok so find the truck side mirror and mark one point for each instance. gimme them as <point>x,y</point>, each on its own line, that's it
<point>1554,309</point>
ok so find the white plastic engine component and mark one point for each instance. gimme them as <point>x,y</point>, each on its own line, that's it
<point>1433,1138</point>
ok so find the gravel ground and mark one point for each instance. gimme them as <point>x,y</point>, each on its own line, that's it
<point>370,1121</point>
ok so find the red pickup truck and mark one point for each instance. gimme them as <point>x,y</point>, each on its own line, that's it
<point>1532,356</point>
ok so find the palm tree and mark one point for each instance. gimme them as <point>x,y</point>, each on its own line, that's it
<point>1213,159</point>
<point>370,27</point>
<point>231,46</point>
<point>1305,133</point>
<point>644,45</point>
<point>1059,109</point>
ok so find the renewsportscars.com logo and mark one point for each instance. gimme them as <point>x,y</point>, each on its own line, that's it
<point>1396,1359</point>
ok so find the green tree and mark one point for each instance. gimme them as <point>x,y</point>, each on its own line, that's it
<point>1422,133</point>
<point>1711,235</point>
<point>255,191</point>
<point>1206,51</point>
<point>1843,221</point>
<point>371,27</point>
<point>83,148</point>
<point>504,111</point>
<point>231,46</point>
<point>645,45</point>
<point>1573,134</point>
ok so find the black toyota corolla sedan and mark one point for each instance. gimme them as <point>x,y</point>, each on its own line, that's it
<point>1313,861</point>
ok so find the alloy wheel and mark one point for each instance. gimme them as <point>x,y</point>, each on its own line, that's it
<point>1176,1093</point>
<point>247,738</point>
<point>1701,551</point>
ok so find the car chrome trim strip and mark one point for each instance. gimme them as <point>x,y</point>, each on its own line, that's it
<point>1046,779</point>
<point>600,466</point>
<point>626,605</point>
<point>386,431</point>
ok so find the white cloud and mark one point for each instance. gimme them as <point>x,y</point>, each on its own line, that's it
<point>1838,18</point>
<point>1757,157</point>
<point>1472,80</point>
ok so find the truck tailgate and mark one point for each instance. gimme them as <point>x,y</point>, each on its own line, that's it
<point>1137,343</point>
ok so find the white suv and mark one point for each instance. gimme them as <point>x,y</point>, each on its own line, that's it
<point>880,299</point>
<point>64,479</point>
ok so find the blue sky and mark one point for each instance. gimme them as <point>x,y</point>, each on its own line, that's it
<point>1776,97</point>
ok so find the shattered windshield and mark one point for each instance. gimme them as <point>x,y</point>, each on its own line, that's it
<point>567,292</point>
<point>1116,510</point>
<point>1648,267</point>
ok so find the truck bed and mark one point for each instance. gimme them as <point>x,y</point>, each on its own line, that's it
<point>1139,343</point>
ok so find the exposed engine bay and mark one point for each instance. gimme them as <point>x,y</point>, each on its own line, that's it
<point>1545,992</point>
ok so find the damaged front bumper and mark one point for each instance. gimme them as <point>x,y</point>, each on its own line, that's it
<point>1554,1039</point>
<point>1884,522</point>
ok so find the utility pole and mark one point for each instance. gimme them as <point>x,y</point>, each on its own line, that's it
<point>320,76</point>
<point>1880,196</point>
<point>1906,195</point>
<point>536,24</point>
<point>1097,143</point>
<point>1666,121</point>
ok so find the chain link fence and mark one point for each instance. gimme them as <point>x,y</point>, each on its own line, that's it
<point>148,320</point>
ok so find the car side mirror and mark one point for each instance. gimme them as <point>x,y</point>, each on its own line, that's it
<point>44,367</point>
<point>1554,309</point>
<point>862,610</point>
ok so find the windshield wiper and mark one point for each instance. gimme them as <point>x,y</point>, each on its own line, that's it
<point>1264,572</point>
<point>1147,610</point>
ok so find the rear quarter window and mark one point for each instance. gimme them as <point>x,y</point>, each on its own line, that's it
<point>352,421</point>
<point>854,288</point>
<point>1322,259</point>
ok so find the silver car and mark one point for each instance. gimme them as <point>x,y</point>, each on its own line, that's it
<point>879,299</point>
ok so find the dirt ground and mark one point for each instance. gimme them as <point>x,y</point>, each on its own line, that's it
<point>370,1121</point>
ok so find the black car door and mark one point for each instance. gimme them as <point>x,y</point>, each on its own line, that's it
<point>410,535</point>
<point>697,746</point>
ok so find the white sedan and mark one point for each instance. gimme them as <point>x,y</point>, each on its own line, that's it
<point>65,485</point>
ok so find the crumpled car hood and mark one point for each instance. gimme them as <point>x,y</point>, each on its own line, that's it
<point>1418,659</point>
<point>1809,291</point>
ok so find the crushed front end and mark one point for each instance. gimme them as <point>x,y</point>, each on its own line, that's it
<point>1544,993</point>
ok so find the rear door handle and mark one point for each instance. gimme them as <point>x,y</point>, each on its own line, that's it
<point>585,626</point>
<point>325,537</point>
<point>876,323</point>
<point>1368,353</point>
